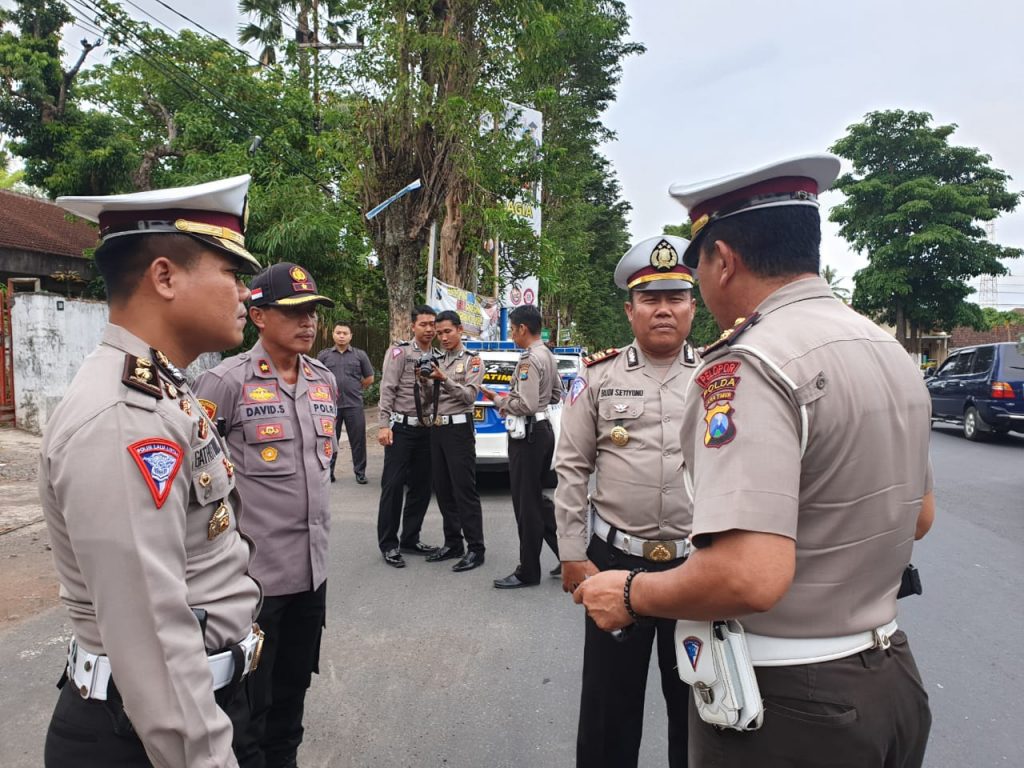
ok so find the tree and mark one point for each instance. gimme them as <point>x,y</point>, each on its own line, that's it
<point>1005,321</point>
<point>831,276</point>
<point>915,206</point>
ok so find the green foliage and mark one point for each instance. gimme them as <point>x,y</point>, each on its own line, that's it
<point>915,206</point>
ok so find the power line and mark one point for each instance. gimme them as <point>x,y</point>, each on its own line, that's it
<point>200,26</point>
<point>160,63</point>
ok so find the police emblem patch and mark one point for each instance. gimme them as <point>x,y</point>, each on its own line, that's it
<point>718,383</point>
<point>269,453</point>
<point>210,407</point>
<point>326,425</point>
<point>693,646</point>
<point>524,372</point>
<point>577,388</point>
<point>159,460</point>
<point>395,352</point>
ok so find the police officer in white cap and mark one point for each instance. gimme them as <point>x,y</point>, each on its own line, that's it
<point>806,440</point>
<point>622,422</point>
<point>138,493</point>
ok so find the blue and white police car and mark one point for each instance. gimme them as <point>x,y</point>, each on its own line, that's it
<point>499,359</point>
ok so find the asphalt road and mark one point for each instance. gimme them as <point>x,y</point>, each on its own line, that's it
<point>427,668</point>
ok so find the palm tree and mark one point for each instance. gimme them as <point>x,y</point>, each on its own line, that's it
<point>831,276</point>
<point>270,16</point>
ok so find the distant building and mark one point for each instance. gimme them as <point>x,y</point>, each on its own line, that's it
<point>38,241</point>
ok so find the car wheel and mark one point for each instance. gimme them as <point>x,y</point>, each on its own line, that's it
<point>974,426</point>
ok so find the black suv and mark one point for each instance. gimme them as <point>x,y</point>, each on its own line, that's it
<point>982,388</point>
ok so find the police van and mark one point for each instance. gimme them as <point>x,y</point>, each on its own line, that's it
<point>499,359</point>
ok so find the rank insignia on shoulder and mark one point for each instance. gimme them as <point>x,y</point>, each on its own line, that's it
<point>729,335</point>
<point>597,357</point>
<point>138,374</point>
<point>159,460</point>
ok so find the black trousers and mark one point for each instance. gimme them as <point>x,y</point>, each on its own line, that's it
<point>453,463</point>
<point>293,625</point>
<point>868,710</point>
<point>355,427</point>
<point>528,463</point>
<point>86,733</point>
<point>406,462</point>
<point>615,681</point>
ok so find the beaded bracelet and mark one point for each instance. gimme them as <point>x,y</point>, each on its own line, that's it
<point>625,595</point>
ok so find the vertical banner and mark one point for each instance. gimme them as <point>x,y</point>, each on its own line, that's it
<point>479,314</point>
<point>526,125</point>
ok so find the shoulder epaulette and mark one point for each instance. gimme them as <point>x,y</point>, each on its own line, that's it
<point>598,357</point>
<point>139,373</point>
<point>729,335</point>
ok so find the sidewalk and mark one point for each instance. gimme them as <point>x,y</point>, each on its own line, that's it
<point>26,566</point>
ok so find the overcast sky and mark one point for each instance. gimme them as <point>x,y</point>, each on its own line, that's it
<point>734,84</point>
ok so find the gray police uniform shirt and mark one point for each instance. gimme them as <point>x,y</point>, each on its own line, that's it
<point>282,438</point>
<point>398,379</point>
<point>349,368</point>
<point>639,486</point>
<point>813,423</point>
<point>535,382</point>
<point>139,498</point>
<point>458,392</point>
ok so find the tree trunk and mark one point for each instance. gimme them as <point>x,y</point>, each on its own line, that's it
<point>450,245</point>
<point>400,257</point>
<point>901,326</point>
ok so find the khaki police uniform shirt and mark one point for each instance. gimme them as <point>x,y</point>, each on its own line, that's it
<point>398,379</point>
<point>282,438</point>
<point>824,441</point>
<point>639,486</point>
<point>535,382</point>
<point>458,392</point>
<point>138,495</point>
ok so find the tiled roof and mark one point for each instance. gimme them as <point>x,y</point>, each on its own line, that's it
<point>31,224</point>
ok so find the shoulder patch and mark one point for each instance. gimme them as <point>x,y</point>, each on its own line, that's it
<point>396,351</point>
<point>579,384</point>
<point>729,335</point>
<point>599,357</point>
<point>159,460</point>
<point>139,373</point>
<point>210,407</point>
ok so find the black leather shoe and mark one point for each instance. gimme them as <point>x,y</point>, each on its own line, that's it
<point>419,548</point>
<point>512,581</point>
<point>394,558</point>
<point>445,553</point>
<point>361,479</point>
<point>332,477</point>
<point>468,562</point>
<point>556,571</point>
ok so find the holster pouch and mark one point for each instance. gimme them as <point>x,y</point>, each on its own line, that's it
<point>515,426</point>
<point>713,659</point>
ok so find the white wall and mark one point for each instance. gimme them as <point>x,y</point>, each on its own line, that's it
<point>49,346</point>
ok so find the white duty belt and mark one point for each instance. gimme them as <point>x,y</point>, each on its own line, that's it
<point>91,672</point>
<point>792,651</point>
<point>411,421</point>
<point>540,415</point>
<point>455,418</point>
<point>655,550</point>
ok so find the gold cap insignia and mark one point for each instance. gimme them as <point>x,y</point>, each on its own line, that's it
<point>664,256</point>
<point>298,275</point>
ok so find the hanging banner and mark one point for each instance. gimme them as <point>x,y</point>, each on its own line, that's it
<point>526,123</point>
<point>479,313</point>
<point>518,293</point>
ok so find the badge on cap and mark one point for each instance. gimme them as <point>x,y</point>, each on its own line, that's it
<point>664,256</point>
<point>159,460</point>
